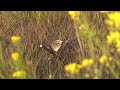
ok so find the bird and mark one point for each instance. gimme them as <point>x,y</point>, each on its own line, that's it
<point>56,45</point>
<point>53,47</point>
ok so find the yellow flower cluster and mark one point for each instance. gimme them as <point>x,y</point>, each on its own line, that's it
<point>15,56</point>
<point>87,62</point>
<point>74,14</point>
<point>105,59</point>
<point>114,37</point>
<point>74,68</point>
<point>114,19</point>
<point>19,74</point>
<point>15,39</point>
<point>118,45</point>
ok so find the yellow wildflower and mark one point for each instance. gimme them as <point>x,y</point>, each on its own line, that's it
<point>118,45</point>
<point>79,66</point>
<point>113,37</point>
<point>109,39</point>
<point>117,35</point>
<point>115,18</point>
<point>109,22</point>
<point>71,68</point>
<point>15,56</point>
<point>90,61</point>
<point>103,59</point>
<point>74,14</point>
<point>15,39</point>
<point>118,49</point>
<point>87,62</point>
<point>19,74</point>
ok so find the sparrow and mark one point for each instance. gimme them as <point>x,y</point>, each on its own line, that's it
<point>53,48</point>
<point>56,45</point>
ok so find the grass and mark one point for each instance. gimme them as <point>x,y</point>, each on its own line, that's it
<point>83,38</point>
